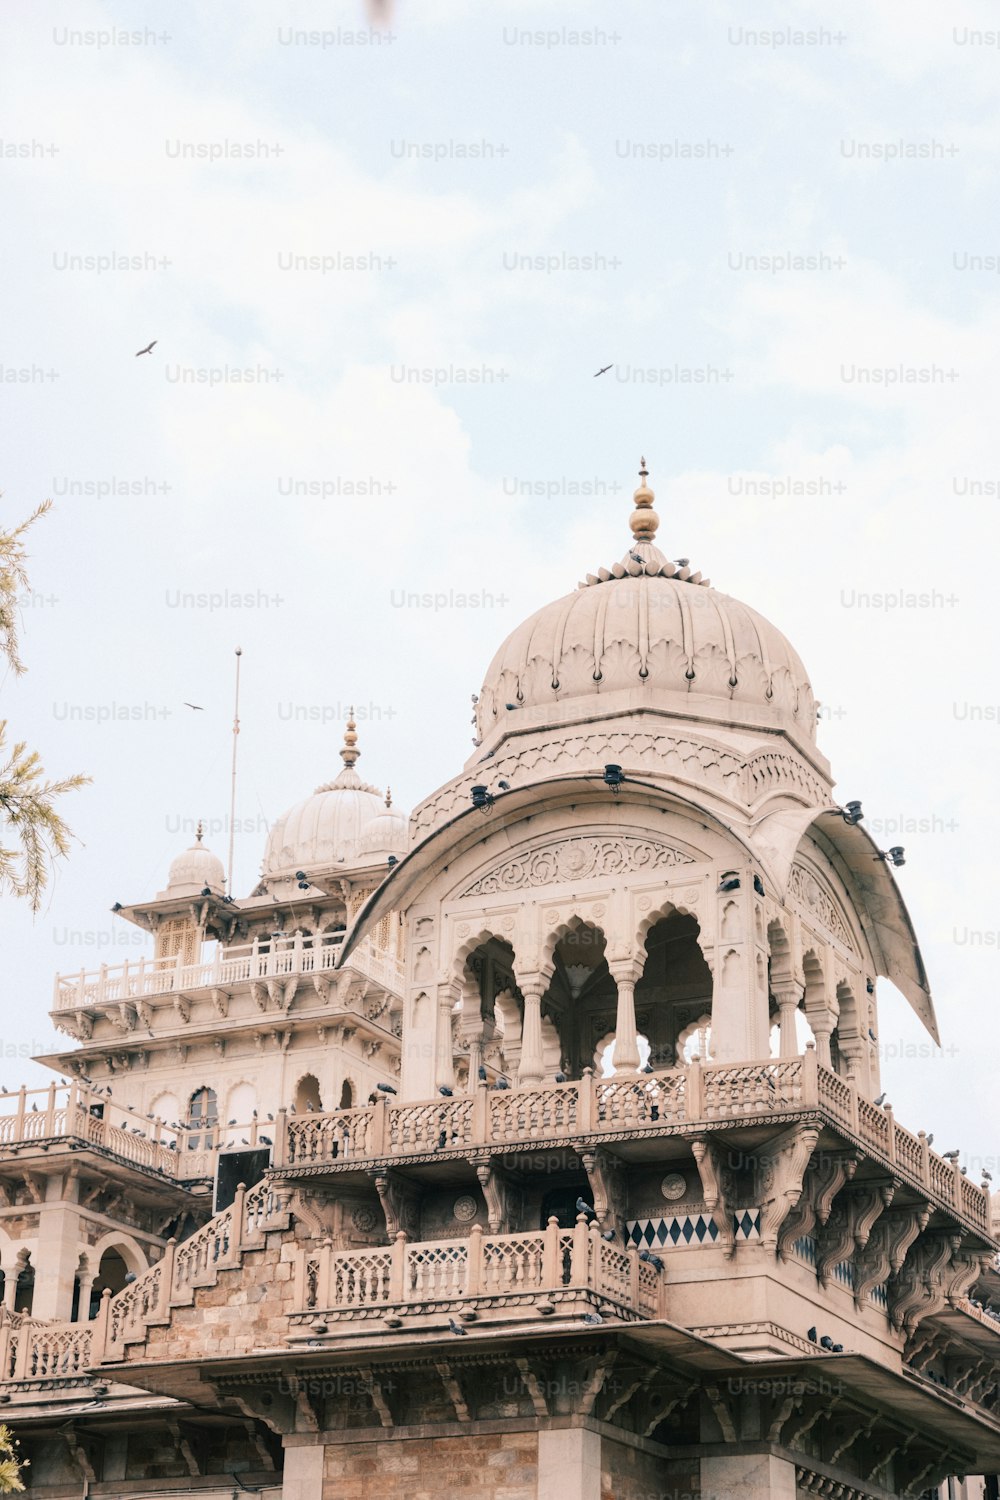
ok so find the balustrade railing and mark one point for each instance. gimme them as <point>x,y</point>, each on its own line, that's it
<point>697,1094</point>
<point>508,1268</point>
<point>273,958</point>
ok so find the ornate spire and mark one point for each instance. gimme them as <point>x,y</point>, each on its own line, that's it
<point>199,831</point>
<point>644,521</point>
<point>388,796</point>
<point>350,752</point>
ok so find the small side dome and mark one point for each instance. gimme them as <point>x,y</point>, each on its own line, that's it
<point>335,825</point>
<point>388,832</point>
<point>195,870</point>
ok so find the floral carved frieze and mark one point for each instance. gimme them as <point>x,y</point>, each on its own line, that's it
<point>804,888</point>
<point>578,859</point>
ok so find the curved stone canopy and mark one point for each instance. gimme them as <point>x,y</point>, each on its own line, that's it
<point>345,821</point>
<point>657,636</point>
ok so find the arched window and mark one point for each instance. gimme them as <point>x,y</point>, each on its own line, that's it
<point>347,1095</point>
<point>307,1095</point>
<point>25,1293</point>
<point>112,1274</point>
<point>203,1116</point>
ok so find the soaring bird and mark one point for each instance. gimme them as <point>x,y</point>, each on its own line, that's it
<point>604,371</point>
<point>148,349</point>
<point>197,706</point>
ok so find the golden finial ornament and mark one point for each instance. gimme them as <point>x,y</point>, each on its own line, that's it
<point>350,752</point>
<point>644,521</point>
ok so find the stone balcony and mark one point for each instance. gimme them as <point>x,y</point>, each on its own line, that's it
<point>496,1278</point>
<point>637,1114</point>
<point>39,1125</point>
<point>273,971</point>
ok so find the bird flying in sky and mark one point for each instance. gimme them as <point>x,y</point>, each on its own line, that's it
<point>604,371</point>
<point>148,349</point>
<point>196,706</point>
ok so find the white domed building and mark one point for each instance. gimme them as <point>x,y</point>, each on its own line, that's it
<point>644,848</point>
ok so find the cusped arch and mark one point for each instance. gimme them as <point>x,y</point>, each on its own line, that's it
<point>568,931</point>
<point>468,946</point>
<point>658,914</point>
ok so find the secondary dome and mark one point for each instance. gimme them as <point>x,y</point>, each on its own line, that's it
<point>334,825</point>
<point>646,633</point>
<point>195,870</point>
<point>389,831</point>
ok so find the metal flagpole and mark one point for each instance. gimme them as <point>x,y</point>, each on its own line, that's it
<point>232,800</point>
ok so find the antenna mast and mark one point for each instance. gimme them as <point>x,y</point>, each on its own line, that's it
<point>232,800</point>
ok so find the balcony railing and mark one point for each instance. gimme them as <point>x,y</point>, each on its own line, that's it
<point>73,1114</point>
<point>590,1106</point>
<point>493,1276</point>
<point>146,978</point>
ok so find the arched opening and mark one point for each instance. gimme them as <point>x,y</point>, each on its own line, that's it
<point>673,999</point>
<point>24,1294</point>
<point>346,1095</point>
<point>490,985</point>
<point>307,1095</point>
<point>112,1275</point>
<point>604,1055</point>
<point>241,1103</point>
<point>202,1120</point>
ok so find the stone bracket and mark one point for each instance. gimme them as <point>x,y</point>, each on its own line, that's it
<point>504,1197</point>
<point>716,1184</point>
<point>608,1185</point>
<point>400,1202</point>
<point>823,1181</point>
<point>533,1386</point>
<point>849,1226</point>
<point>779,1175</point>
<point>453,1390</point>
<point>886,1249</point>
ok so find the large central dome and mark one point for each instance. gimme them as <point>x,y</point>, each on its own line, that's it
<point>646,633</point>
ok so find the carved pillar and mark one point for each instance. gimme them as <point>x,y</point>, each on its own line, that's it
<point>530,1070</point>
<point>822,1023</point>
<point>626,1052</point>
<point>445,1068</point>
<point>788,997</point>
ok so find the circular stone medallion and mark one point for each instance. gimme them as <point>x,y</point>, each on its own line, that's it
<point>465,1209</point>
<point>673,1187</point>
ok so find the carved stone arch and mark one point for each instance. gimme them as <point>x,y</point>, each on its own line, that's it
<point>308,1090</point>
<point>236,1105</point>
<point>131,1252</point>
<point>660,913</point>
<point>568,929</point>
<point>467,947</point>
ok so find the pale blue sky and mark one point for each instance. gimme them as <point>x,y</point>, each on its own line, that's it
<point>556,175</point>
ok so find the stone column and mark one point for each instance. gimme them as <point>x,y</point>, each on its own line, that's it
<point>530,1070</point>
<point>569,1464</point>
<point>445,1068</point>
<point>626,1052</point>
<point>303,1473</point>
<point>752,1476</point>
<point>788,997</point>
<point>822,1023</point>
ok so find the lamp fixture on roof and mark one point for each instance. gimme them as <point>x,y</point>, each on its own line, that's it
<point>895,856</point>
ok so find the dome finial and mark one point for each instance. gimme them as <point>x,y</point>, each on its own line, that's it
<point>199,831</point>
<point>388,796</point>
<point>350,752</point>
<point>644,521</point>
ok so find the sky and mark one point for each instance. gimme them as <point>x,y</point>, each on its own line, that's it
<point>382,269</point>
